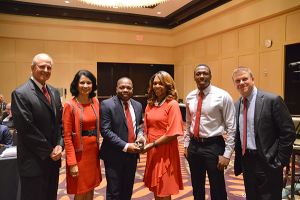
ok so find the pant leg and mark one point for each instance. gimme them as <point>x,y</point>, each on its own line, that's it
<point>261,182</point>
<point>42,187</point>
<point>198,175</point>
<point>128,177</point>
<point>120,178</point>
<point>204,157</point>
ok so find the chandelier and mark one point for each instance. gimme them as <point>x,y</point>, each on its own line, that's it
<point>123,3</point>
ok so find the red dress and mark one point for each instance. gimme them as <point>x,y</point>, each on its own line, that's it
<point>163,172</point>
<point>86,156</point>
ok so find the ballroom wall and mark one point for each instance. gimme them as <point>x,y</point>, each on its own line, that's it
<point>225,38</point>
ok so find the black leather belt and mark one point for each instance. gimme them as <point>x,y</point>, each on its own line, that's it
<point>251,151</point>
<point>89,133</point>
<point>205,139</point>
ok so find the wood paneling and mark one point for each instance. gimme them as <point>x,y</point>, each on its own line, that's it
<point>229,42</point>
<point>179,81</point>
<point>200,48</point>
<point>215,72</point>
<point>7,49</point>
<point>148,54</point>
<point>178,54</point>
<point>247,38</point>
<point>293,26</point>
<point>108,52</point>
<point>250,61</point>
<point>8,81</point>
<point>23,73</point>
<point>272,82</point>
<point>212,46</point>
<point>27,49</point>
<point>188,52</point>
<point>84,51</point>
<point>58,50</point>
<point>189,83</point>
<point>60,78</point>
<point>272,30</point>
<point>166,55</point>
<point>228,65</point>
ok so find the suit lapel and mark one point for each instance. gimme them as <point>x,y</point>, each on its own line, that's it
<point>37,91</point>
<point>120,109</point>
<point>135,113</point>
<point>259,102</point>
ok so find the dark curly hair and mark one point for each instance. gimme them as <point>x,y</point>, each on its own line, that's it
<point>167,80</point>
<point>73,87</point>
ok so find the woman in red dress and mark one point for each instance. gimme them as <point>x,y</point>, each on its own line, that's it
<point>81,136</point>
<point>163,124</point>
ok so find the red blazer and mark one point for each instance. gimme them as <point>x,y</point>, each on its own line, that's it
<point>72,128</point>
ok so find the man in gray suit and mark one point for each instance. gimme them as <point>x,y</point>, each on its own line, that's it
<point>37,112</point>
<point>265,134</point>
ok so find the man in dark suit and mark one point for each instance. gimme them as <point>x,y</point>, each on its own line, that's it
<point>37,112</point>
<point>265,134</point>
<point>120,131</point>
<point>2,105</point>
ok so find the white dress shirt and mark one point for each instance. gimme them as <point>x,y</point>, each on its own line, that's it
<point>217,116</point>
<point>40,86</point>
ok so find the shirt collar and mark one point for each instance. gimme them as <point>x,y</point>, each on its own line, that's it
<point>38,83</point>
<point>252,94</point>
<point>129,103</point>
<point>205,91</point>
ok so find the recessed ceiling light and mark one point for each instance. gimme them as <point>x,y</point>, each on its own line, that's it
<point>67,1</point>
<point>159,13</point>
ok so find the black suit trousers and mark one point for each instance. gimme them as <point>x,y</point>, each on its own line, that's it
<point>261,183</point>
<point>42,187</point>
<point>120,178</point>
<point>204,157</point>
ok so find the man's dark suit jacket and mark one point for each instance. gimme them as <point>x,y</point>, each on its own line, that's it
<point>114,129</point>
<point>39,128</point>
<point>4,106</point>
<point>274,132</point>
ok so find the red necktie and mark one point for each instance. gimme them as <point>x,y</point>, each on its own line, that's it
<point>131,136</point>
<point>244,126</point>
<point>198,113</point>
<point>46,94</point>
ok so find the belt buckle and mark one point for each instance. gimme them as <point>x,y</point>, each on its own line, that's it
<point>201,139</point>
<point>91,132</point>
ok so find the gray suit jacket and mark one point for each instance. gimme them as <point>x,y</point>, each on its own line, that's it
<point>274,131</point>
<point>39,128</point>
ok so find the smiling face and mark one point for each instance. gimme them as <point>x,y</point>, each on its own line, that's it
<point>42,70</point>
<point>243,82</point>
<point>84,86</point>
<point>202,77</point>
<point>124,89</point>
<point>159,89</point>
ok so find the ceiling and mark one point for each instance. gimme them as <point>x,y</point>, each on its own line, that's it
<point>172,13</point>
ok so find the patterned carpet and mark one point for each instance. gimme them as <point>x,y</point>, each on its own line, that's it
<point>234,185</point>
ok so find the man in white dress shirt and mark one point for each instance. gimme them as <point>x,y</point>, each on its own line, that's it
<point>205,148</point>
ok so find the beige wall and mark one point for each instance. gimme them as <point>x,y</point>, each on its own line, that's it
<point>225,38</point>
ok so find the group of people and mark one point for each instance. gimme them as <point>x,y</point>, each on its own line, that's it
<point>259,129</point>
<point>6,138</point>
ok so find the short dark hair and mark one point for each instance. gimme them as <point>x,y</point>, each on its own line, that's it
<point>202,65</point>
<point>73,87</point>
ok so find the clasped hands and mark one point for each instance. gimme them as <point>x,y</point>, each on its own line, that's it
<point>133,148</point>
<point>56,153</point>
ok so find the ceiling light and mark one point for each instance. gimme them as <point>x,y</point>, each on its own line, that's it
<point>159,13</point>
<point>123,3</point>
<point>67,1</point>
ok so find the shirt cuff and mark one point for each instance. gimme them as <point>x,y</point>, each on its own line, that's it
<point>126,147</point>
<point>227,154</point>
<point>186,144</point>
